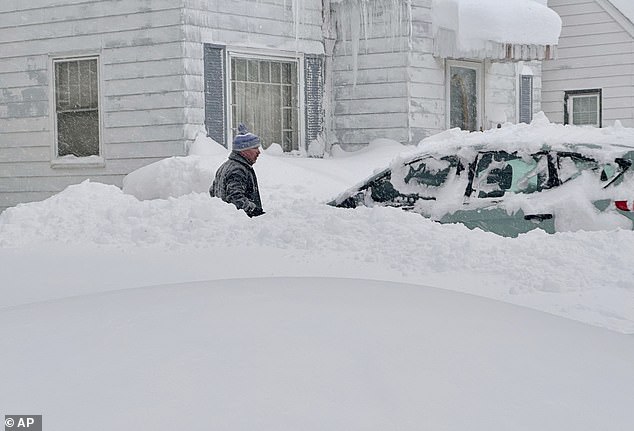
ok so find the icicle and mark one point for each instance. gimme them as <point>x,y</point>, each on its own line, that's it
<point>355,19</point>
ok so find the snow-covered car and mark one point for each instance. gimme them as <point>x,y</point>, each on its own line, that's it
<point>513,179</point>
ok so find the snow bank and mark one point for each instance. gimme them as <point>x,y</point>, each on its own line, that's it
<point>587,276</point>
<point>307,353</point>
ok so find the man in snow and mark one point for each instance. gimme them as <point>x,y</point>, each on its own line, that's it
<point>235,180</point>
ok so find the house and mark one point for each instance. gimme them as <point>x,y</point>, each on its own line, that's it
<point>98,88</point>
<point>592,80</point>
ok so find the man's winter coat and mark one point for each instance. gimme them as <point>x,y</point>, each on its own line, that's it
<point>236,183</point>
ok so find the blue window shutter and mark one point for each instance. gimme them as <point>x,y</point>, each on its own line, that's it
<point>313,95</point>
<point>526,99</point>
<point>215,97</point>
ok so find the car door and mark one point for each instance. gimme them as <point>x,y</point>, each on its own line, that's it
<point>494,176</point>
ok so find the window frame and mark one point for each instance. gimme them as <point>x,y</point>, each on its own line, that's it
<point>58,161</point>
<point>479,69</point>
<point>297,58</point>
<point>571,95</point>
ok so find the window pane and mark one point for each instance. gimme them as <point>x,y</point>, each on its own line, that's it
<point>585,110</point>
<point>287,70</point>
<point>529,175</point>
<point>463,101</point>
<point>287,96</point>
<point>494,174</point>
<point>276,72</point>
<point>86,77</point>
<point>430,172</point>
<point>265,71</point>
<point>73,76</point>
<point>571,166</point>
<point>240,67</point>
<point>77,103</point>
<point>252,71</point>
<point>78,133</point>
<point>288,118</point>
<point>62,90</point>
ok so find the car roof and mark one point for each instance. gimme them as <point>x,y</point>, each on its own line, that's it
<point>602,144</point>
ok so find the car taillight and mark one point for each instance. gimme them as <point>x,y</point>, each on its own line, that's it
<point>622,205</point>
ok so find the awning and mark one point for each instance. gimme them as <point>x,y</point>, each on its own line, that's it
<point>493,29</point>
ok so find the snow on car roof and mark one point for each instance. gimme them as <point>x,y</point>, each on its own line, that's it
<point>603,144</point>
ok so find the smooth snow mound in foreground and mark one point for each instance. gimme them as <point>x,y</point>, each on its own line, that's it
<point>311,354</point>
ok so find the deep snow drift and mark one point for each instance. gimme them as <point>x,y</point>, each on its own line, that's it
<point>311,354</point>
<point>93,237</point>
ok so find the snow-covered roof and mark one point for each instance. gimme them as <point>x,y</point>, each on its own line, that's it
<point>626,7</point>
<point>505,30</point>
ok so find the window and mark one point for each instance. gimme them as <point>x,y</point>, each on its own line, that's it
<point>418,180</point>
<point>526,99</point>
<point>264,96</point>
<point>583,107</point>
<point>499,172</point>
<point>463,98</point>
<point>571,165</point>
<point>76,107</point>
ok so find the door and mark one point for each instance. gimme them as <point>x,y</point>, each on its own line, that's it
<point>464,95</point>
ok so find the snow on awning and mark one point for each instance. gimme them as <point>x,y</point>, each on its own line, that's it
<point>494,29</point>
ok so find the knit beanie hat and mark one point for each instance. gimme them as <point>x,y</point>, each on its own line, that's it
<point>245,139</point>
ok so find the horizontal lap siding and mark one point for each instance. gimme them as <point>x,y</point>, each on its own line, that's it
<point>427,78</point>
<point>371,102</point>
<point>596,50</point>
<point>143,90</point>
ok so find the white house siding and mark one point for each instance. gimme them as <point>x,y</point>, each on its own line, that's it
<point>426,77</point>
<point>376,105</point>
<point>144,99</point>
<point>264,27</point>
<point>502,92</point>
<point>427,83</point>
<point>400,90</point>
<point>596,50</point>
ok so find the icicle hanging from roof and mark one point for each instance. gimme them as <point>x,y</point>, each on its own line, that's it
<point>356,19</point>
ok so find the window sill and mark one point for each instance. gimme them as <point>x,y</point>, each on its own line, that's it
<point>73,162</point>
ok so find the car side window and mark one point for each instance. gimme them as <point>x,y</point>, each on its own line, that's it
<point>571,165</point>
<point>416,180</point>
<point>499,172</point>
<point>493,174</point>
<point>431,172</point>
<point>529,174</point>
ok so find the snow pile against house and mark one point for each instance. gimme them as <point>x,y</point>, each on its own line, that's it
<point>510,29</point>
